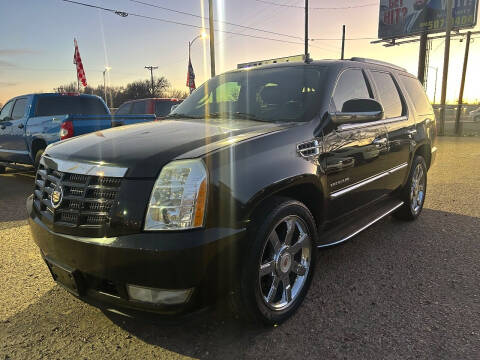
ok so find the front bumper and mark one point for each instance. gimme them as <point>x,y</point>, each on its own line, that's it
<point>204,259</point>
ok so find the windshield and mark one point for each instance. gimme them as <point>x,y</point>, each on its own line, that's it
<point>286,94</point>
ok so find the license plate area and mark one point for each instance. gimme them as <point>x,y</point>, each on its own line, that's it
<point>68,278</point>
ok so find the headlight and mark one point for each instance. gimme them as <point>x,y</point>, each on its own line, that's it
<point>178,197</point>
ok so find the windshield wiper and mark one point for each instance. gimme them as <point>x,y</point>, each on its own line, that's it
<point>182,116</point>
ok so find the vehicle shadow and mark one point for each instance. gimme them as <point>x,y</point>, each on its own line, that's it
<point>15,187</point>
<point>397,290</point>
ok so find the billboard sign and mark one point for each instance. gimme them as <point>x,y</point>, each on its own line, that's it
<point>403,18</point>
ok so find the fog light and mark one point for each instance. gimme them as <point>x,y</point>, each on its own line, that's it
<point>158,296</point>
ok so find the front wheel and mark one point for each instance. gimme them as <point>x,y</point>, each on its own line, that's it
<point>38,155</point>
<point>413,194</point>
<point>280,264</point>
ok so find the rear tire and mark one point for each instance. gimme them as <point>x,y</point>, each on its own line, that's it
<point>413,194</point>
<point>38,155</point>
<point>2,169</point>
<point>279,264</point>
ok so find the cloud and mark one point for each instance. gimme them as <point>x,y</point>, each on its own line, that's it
<point>4,63</point>
<point>6,84</point>
<point>9,52</point>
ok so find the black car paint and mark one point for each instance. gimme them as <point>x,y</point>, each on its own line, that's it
<point>246,165</point>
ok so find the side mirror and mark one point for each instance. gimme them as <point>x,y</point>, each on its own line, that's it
<point>358,111</point>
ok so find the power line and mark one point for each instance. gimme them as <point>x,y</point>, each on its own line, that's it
<point>337,39</point>
<point>125,14</point>
<point>318,8</point>
<point>217,21</point>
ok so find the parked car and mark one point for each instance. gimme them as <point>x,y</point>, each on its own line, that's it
<point>236,189</point>
<point>29,123</point>
<point>475,114</point>
<point>160,107</point>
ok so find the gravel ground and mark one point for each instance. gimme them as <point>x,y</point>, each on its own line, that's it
<point>396,291</point>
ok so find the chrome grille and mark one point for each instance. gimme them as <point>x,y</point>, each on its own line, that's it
<point>87,200</point>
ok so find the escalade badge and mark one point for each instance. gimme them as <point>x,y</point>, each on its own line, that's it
<point>57,196</point>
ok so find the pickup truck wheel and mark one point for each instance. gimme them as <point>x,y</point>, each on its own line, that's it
<point>2,169</point>
<point>280,263</point>
<point>414,192</point>
<point>38,155</point>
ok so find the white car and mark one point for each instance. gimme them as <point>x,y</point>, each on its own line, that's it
<point>475,114</point>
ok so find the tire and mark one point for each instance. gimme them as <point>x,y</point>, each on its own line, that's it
<point>476,118</point>
<point>270,261</point>
<point>413,194</point>
<point>38,155</point>
<point>2,169</point>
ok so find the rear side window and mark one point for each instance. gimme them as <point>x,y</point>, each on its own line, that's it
<point>7,108</point>
<point>124,109</point>
<point>417,95</point>
<point>19,109</point>
<point>163,108</point>
<point>350,85</point>
<point>139,107</point>
<point>77,105</point>
<point>388,93</point>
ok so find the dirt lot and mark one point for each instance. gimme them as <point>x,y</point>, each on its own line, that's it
<point>396,291</point>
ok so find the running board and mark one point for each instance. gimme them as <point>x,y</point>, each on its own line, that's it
<point>347,231</point>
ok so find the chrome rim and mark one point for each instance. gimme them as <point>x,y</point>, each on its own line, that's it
<point>285,263</point>
<point>417,192</point>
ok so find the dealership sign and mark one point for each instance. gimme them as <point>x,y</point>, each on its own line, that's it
<point>402,18</point>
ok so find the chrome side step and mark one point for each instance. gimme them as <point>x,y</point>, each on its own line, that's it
<point>334,239</point>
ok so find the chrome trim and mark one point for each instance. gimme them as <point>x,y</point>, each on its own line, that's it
<point>14,151</point>
<point>369,180</point>
<point>83,168</point>
<point>346,127</point>
<point>316,146</point>
<point>363,227</point>
<point>345,117</point>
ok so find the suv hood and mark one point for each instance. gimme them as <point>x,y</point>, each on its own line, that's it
<point>145,148</point>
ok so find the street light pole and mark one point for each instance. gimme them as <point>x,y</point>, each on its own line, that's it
<point>151,68</point>
<point>107,68</point>
<point>203,35</point>
<point>212,39</point>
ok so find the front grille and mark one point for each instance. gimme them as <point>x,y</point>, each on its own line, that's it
<point>87,200</point>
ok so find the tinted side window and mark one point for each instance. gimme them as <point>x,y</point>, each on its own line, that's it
<point>6,110</point>
<point>124,109</point>
<point>64,104</point>
<point>351,85</point>
<point>139,107</point>
<point>19,109</point>
<point>388,93</point>
<point>163,108</point>
<point>417,95</point>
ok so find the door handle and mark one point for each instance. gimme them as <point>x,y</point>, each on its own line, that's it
<point>21,126</point>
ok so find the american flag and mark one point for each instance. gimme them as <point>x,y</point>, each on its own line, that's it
<point>77,60</point>
<point>191,76</point>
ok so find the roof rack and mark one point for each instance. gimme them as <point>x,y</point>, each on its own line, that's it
<point>378,62</point>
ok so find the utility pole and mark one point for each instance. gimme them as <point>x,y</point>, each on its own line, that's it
<point>212,38</point>
<point>151,68</point>
<point>307,56</point>
<point>462,85</point>
<point>343,42</point>
<point>422,57</point>
<point>446,58</point>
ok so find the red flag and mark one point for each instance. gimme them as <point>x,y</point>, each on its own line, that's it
<point>191,76</point>
<point>77,60</point>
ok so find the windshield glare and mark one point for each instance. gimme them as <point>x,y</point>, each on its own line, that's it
<point>286,94</point>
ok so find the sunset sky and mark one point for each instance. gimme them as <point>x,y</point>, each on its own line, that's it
<point>36,46</point>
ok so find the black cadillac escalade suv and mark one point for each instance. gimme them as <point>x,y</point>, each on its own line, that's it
<point>235,190</point>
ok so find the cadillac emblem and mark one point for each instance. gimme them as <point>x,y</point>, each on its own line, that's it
<point>57,196</point>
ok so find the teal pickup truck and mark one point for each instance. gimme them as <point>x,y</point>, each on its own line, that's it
<point>29,123</point>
